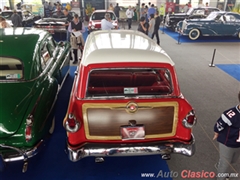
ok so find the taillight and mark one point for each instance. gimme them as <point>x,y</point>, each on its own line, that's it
<point>28,130</point>
<point>89,24</point>
<point>71,124</point>
<point>28,133</point>
<point>190,120</point>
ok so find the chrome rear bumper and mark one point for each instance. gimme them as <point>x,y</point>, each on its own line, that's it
<point>160,148</point>
<point>19,154</point>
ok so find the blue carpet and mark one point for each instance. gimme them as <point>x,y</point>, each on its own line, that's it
<point>52,163</point>
<point>185,39</point>
<point>231,69</point>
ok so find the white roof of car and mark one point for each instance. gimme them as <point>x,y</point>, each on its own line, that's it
<point>103,10</point>
<point>112,46</point>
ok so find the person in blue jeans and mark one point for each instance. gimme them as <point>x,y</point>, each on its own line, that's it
<point>227,133</point>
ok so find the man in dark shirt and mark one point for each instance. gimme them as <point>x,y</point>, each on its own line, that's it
<point>156,27</point>
<point>68,20</point>
<point>227,133</point>
<point>16,19</point>
<point>116,10</point>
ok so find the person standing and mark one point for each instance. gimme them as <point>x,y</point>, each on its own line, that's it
<point>151,10</point>
<point>130,15</point>
<point>185,8</point>
<point>50,7</point>
<point>146,14</point>
<point>111,7</point>
<point>76,41</point>
<point>137,11</point>
<point>141,25</point>
<point>116,10</point>
<point>16,19</point>
<point>68,21</point>
<point>46,9</point>
<point>142,10</point>
<point>106,23</point>
<point>227,133</point>
<point>151,25</point>
<point>156,27</point>
<point>162,11</point>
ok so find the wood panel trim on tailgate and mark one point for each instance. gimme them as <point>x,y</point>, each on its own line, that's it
<point>93,126</point>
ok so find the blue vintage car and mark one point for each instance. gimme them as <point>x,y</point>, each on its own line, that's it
<point>216,24</point>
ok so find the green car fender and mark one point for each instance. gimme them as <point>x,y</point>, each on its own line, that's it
<point>41,109</point>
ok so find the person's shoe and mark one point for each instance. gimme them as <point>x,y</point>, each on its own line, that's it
<point>74,62</point>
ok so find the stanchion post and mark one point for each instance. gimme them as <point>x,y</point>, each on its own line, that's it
<point>212,65</point>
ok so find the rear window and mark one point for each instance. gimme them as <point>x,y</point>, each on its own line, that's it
<point>129,82</point>
<point>100,16</point>
<point>10,69</point>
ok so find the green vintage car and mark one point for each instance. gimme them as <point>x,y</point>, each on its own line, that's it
<point>33,68</point>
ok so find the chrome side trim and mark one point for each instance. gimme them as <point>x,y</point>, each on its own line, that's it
<point>64,79</point>
<point>64,61</point>
<point>164,148</point>
<point>21,154</point>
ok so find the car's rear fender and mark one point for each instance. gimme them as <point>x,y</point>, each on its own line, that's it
<point>39,114</point>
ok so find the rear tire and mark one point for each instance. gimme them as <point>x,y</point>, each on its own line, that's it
<point>194,34</point>
<point>51,130</point>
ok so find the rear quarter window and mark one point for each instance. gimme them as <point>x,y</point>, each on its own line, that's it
<point>129,82</point>
<point>10,69</point>
<point>100,16</point>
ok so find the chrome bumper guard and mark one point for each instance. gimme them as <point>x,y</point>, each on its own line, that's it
<point>161,148</point>
<point>20,154</point>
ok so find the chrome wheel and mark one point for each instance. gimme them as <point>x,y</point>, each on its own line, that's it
<point>194,34</point>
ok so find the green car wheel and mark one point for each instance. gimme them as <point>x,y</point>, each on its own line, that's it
<point>194,34</point>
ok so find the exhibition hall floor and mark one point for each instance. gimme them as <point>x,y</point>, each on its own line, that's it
<point>210,90</point>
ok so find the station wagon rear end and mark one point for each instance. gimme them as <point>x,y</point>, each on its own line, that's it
<point>126,101</point>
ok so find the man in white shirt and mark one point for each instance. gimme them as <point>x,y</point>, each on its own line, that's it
<point>129,14</point>
<point>106,23</point>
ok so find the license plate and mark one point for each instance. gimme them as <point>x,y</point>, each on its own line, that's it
<point>132,132</point>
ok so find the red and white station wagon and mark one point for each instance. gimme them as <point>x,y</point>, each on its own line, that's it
<point>126,101</point>
<point>96,17</point>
